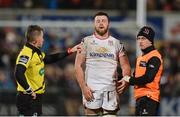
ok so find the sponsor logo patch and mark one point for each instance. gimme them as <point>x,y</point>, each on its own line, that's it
<point>23,59</point>
<point>151,66</point>
<point>110,43</point>
<point>41,71</point>
<point>104,55</point>
<point>94,43</point>
<point>146,31</point>
<point>143,63</point>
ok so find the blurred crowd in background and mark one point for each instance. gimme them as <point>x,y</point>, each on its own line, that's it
<point>166,5</point>
<point>62,88</point>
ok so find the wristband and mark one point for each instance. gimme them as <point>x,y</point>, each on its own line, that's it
<point>28,91</point>
<point>126,78</point>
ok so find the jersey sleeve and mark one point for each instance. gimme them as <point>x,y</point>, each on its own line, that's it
<point>84,45</point>
<point>24,58</point>
<point>121,49</point>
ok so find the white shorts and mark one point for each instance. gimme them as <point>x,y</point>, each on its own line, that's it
<point>107,100</point>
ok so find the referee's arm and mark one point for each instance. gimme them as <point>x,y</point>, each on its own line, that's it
<point>20,77</point>
<point>61,55</point>
<point>55,57</point>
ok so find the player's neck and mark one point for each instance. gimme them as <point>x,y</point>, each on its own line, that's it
<point>101,37</point>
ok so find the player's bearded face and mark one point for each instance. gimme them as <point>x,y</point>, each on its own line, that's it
<point>101,30</point>
<point>101,25</point>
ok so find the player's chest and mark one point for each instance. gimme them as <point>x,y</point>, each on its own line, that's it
<point>101,46</point>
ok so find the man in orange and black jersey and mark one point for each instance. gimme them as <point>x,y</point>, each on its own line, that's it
<point>29,72</point>
<point>148,71</point>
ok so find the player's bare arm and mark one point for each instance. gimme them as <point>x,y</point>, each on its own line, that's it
<point>125,66</point>
<point>87,92</point>
<point>126,71</point>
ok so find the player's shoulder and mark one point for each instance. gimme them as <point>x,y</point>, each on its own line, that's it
<point>24,55</point>
<point>87,38</point>
<point>26,51</point>
<point>116,40</point>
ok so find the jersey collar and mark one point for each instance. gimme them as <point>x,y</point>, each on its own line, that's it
<point>148,49</point>
<point>33,48</point>
<point>103,38</point>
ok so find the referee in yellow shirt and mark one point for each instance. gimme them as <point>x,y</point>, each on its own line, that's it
<point>29,72</point>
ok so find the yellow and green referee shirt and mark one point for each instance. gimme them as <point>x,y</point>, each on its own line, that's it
<point>32,59</point>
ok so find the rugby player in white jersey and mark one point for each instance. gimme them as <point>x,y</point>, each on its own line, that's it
<point>101,53</point>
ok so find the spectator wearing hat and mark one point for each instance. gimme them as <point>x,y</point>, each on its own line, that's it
<point>147,75</point>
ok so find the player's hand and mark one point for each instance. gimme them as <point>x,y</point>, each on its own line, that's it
<point>76,48</point>
<point>121,85</point>
<point>33,95</point>
<point>88,93</point>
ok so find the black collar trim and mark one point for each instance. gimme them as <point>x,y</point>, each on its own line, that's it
<point>148,49</point>
<point>34,48</point>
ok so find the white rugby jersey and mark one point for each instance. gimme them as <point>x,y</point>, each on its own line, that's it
<point>101,62</point>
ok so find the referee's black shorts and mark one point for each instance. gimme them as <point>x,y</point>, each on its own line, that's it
<point>146,106</point>
<point>28,106</point>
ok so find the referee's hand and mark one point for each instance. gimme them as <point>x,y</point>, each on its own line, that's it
<point>33,95</point>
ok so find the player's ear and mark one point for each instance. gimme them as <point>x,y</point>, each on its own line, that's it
<point>34,42</point>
